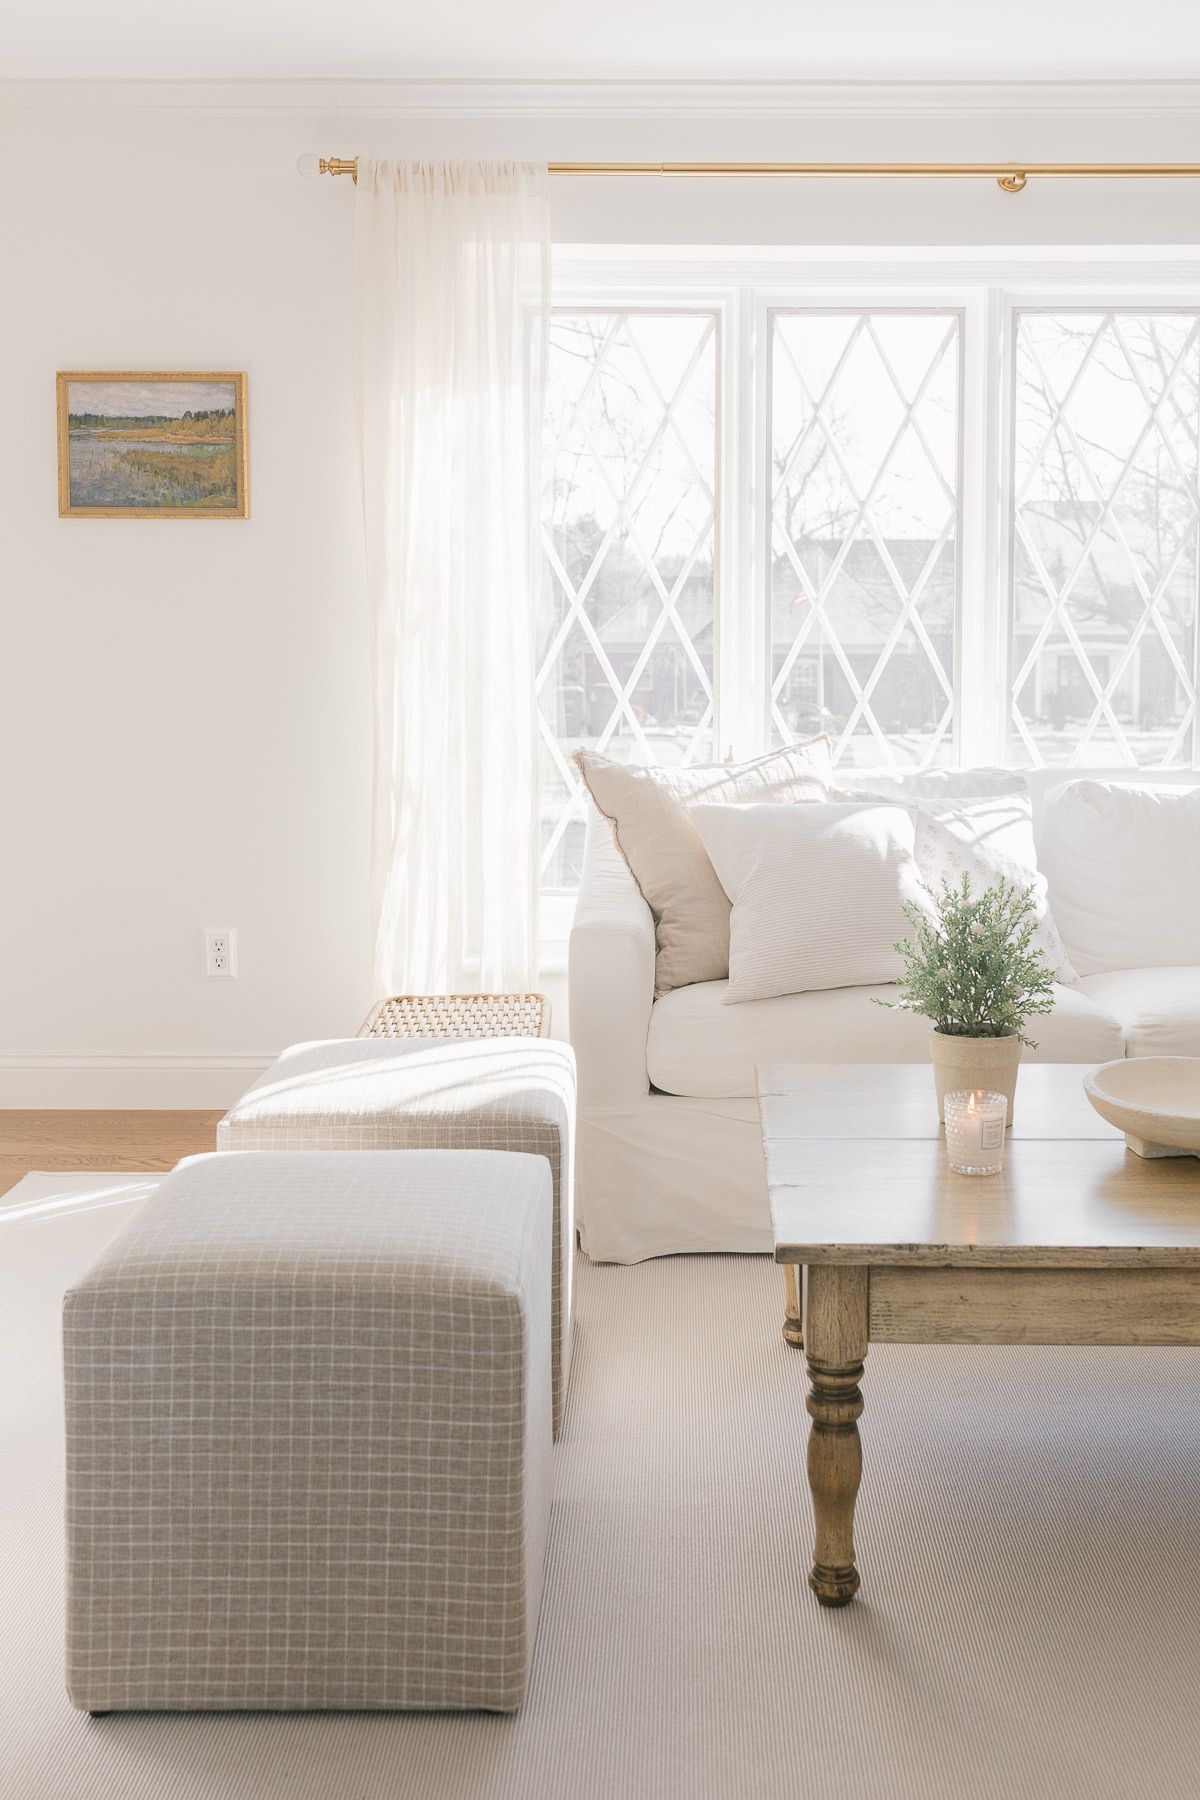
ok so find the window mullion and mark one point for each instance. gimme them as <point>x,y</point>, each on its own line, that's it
<point>1002,513</point>
<point>729,541</point>
<point>982,679</point>
<point>739,708</point>
<point>757,588</point>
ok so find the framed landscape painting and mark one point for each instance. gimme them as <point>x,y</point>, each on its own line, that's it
<point>152,446</point>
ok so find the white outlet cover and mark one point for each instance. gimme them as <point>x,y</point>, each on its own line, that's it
<point>220,953</point>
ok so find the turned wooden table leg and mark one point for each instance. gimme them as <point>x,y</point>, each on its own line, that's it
<point>836,1326</point>
<point>793,1317</point>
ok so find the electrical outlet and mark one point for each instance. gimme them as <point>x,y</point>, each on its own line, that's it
<point>220,953</point>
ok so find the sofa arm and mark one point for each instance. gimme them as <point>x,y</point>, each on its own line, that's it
<point>610,976</point>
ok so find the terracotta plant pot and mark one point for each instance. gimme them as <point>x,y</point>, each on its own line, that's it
<point>968,1062</point>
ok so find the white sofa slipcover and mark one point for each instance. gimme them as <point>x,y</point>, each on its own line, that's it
<point>661,1171</point>
<point>1157,1009</point>
<point>697,1045</point>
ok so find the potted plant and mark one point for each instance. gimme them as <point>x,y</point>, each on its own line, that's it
<point>972,970</point>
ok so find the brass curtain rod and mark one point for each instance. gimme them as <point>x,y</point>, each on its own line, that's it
<point>1011,177</point>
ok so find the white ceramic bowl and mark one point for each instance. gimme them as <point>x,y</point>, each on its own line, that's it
<point>1154,1100</point>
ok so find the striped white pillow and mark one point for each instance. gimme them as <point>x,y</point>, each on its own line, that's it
<point>817,893</point>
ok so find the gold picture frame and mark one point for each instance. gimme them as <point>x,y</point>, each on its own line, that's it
<point>141,444</point>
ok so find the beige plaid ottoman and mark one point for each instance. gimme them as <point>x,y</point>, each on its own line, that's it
<point>308,1436</point>
<point>421,1093</point>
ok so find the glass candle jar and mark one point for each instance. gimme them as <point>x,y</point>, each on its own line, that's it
<point>975,1124</point>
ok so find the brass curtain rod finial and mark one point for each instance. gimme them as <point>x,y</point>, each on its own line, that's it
<point>310,165</point>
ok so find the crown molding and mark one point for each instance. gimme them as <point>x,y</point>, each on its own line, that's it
<point>575,99</point>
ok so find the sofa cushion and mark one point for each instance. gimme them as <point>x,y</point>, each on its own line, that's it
<point>1158,1009</point>
<point>1123,866</point>
<point>698,1046</point>
<point>649,811</point>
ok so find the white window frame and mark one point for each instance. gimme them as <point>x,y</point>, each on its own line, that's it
<point>854,302</point>
<point>743,287</point>
<point>1100,299</point>
<point>611,288</point>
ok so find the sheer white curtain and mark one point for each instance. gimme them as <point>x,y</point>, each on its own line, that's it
<point>452,273</point>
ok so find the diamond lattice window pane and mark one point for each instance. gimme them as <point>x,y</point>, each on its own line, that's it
<point>1105,563</point>
<point>864,524</point>
<point>628,604</point>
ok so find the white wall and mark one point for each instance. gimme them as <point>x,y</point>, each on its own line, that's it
<point>184,705</point>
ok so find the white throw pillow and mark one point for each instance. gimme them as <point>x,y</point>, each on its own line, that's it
<point>990,839</point>
<point>1123,867</point>
<point>817,893</point>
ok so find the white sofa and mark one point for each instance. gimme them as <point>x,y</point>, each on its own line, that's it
<point>668,1152</point>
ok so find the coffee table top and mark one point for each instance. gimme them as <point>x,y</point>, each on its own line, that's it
<point>857,1173</point>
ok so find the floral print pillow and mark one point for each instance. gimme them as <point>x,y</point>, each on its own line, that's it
<point>990,839</point>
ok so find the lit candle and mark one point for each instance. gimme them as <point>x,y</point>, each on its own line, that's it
<point>975,1123</point>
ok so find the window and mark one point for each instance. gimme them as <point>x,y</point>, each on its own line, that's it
<point>864,524</point>
<point>626,643</point>
<point>1105,480</point>
<point>944,525</point>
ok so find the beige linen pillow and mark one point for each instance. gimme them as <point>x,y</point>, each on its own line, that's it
<point>648,811</point>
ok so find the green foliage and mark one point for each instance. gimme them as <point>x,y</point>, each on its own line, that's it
<point>151,424</point>
<point>971,968</point>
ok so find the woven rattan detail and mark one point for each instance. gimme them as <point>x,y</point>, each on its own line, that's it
<point>458,1016</point>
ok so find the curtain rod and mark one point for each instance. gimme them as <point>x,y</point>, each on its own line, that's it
<point>1011,177</point>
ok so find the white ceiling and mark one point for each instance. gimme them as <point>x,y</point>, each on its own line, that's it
<point>539,39</point>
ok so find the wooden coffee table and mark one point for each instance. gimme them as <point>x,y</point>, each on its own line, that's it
<point>1078,1241</point>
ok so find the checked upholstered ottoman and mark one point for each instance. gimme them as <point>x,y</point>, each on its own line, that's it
<point>422,1093</point>
<point>308,1436</point>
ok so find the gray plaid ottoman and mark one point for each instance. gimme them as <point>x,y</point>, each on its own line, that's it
<point>308,1436</point>
<point>423,1093</point>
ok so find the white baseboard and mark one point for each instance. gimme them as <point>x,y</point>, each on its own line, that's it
<point>156,1083</point>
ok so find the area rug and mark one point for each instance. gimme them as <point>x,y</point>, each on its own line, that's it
<point>1029,1540</point>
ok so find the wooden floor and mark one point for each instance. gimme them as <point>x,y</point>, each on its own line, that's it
<point>59,1141</point>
